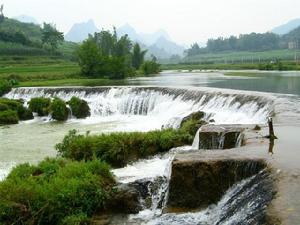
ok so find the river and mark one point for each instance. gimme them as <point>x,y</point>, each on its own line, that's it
<point>150,103</point>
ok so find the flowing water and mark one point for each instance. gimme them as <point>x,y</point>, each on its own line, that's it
<point>152,103</point>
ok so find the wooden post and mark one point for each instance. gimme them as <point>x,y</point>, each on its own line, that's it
<point>271,129</point>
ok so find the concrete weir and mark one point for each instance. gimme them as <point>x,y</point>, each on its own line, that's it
<point>220,136</point>
<point>200,179</point>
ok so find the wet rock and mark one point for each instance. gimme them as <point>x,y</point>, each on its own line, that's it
<point>124,200</point>
<point>193,116</point>
<point>197,183</point>
<point>147,188</point>
<point>220,137</point>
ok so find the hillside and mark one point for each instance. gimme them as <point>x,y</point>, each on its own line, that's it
<point>30,30</point>
<point>25,39</point>
<point>286,28</point>
<point>294,35</point>
<point>26,19</point>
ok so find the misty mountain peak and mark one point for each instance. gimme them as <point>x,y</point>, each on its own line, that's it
<point>80,31</point>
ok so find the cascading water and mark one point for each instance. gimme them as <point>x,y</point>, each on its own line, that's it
<point>163,106</point>
<point>151,108</point>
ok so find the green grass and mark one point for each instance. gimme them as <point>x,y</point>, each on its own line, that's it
<point>53,191</point>
<point>72,82</point>
<point>118,149</point>
<point>243,57</point>
<point>287,66</point>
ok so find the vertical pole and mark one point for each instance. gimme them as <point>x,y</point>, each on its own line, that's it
<point>271,129</point>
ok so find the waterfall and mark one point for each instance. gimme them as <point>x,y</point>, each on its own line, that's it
<point>196,140</point>
<point>244,203</point>
<point>166,106</point>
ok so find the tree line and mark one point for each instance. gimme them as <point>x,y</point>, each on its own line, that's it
<point>245,42</point>
<point>104,54</point>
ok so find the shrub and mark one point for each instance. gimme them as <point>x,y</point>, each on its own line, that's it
<point>56,191</point>
<point>79,107</point>
<point>79,219</point>
<point>59,110</point>
<point>118,149</point>
<point>23,113</point>
<point>8,117</point>
<point>5,87</point>
<point>150,67</point>
<point>3,107</point>
<point>40,105</point>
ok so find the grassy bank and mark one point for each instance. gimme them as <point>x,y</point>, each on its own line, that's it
<point>283,66</point>
<point>118,149</point>
<point>56,191</point>
<point>244,57</point>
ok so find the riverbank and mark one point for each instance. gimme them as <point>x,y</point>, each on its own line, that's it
<point>268,66</point>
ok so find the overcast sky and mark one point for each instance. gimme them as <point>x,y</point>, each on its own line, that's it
<point>186,21</point>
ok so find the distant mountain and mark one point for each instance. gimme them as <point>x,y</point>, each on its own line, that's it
<point>130,31</point>
<point>168,46</point>
<point>158,43</point>
<point>80,31</point>
<point>286,28</point>
<point>151,38</point>
<point>26,19</point>
<point>293,35</point>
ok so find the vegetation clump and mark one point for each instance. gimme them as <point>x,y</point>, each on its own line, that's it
<point>8,117</point>
<point>11,111</point>
<point>79,107</point>
<point>106,55</point>
<point>118,149</point>
<point>56,191</point>
<point>40,105</point>
<point>5,87</point>
<point>150,67</point>
<point>59,110</point>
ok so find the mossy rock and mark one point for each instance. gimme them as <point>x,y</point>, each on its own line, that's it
<point>80,108</point>
<point>193,116</point>
<point>40,105</point>
<point>59,110</point>
<point>8,117</point>
<point>16,105</point>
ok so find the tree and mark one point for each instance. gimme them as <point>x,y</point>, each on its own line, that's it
<point>137,56</point>
<point>150,66</point>
<point>89,58</point>
<point>1,14</point>
<point>194,50</point>
<point>51,36</point>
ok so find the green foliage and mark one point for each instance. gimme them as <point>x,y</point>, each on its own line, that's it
<point>89,58</point>
<point>138,56</point>
<point>106,55</point>
<point>59,110</point>
<point>22,112</point>
<point>8,117</point>
<point>5,87</point>
<point>150,67</point>
<point>40,105</point>
<point>56,191</point>
<point>79,107</point>
<point>51,36</point>
<point>118,149</point>
<point>245,42</point>
<point>78,219</point>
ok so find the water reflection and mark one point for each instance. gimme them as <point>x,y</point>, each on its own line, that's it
<point>274,82</point>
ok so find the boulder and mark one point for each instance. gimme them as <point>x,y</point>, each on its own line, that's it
<point>193,116</point>
<point>124,200</point>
